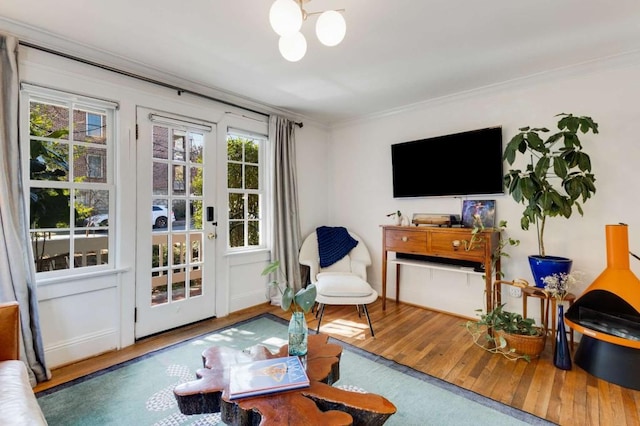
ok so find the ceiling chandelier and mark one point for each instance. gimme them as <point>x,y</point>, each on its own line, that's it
<point>286,18</point>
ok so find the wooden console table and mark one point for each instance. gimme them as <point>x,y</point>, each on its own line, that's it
<point>319,404</point>
<point>446,243</point>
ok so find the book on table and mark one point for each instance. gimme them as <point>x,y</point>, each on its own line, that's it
<point>267,376</point>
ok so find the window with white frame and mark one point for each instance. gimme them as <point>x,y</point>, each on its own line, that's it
<point>94,166</point>
<point>94,124</point>
<point>245,189</point>
<point>69,178</point>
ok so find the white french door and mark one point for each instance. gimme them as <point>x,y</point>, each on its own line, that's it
<point>175,254</point>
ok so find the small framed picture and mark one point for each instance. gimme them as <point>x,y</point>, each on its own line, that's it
<point>478,213</point>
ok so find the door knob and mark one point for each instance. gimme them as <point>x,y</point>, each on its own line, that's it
<point>212,235</point>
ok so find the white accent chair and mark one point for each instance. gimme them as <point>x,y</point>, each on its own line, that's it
<point>342,283</point>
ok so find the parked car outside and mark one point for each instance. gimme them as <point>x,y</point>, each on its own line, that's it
<point>159,218</point>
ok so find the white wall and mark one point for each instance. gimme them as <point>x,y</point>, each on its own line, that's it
<point>360,163</point>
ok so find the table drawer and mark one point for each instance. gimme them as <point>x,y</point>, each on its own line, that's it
<point>405,241</point>
<point>443,244</point>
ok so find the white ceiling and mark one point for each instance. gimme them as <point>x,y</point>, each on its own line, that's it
<point>395,53</point>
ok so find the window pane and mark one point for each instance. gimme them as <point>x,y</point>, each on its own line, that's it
<point>91,208</point>
<point>254,233</point>
<point>196,247</point>
<point>234,149</point>
<point>49,160</point>
<point>236,234</point>
<point>49,208</point>
<point>234,175</point>
<point>91,249</point>
<point>178,180</point>
<point>89,126</point>
<point>160,142</point>
<point>51,250</point>
<point>179,212</point>
<point>251,177</point>
<point>196,180</point>
<point>251,152</point>
<point>159,287</point>
<point>51,121</point>
<point>179,249</point>
<point>195,282</point>
<point>160,215</point>
<point>89,164</point>
<point>254,206</point>
<point>196,214</point>
<point>160,178</point>
<point>178,145</point>
<point>236,206</point>
<point>159,251</point>
<point>197,147</point>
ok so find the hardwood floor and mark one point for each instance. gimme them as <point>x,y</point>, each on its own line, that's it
<point>436,344</point>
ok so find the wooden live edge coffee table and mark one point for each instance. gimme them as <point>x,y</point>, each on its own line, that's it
<point>319,404</point>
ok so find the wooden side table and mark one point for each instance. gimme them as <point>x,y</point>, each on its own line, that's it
<point>551,303</point>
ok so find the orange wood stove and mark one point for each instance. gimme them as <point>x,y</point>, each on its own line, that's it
<point>608,316</point>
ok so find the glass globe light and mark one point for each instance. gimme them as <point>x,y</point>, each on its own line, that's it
<point>331,28</point>
<point>285,17</point>
<point>293,47</point>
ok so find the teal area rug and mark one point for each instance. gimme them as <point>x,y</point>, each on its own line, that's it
<point>140,391</point>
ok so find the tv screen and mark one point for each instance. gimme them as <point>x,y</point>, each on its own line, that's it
<point>467,163</point>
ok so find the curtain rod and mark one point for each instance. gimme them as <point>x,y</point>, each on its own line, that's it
<point>179,90</point>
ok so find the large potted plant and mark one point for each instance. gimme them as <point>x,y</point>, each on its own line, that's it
<point>556,181</point>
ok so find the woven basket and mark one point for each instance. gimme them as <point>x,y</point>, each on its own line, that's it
<point>524,345</point>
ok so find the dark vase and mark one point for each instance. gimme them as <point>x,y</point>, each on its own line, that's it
<point>543,266</point>
<point>562,356</point>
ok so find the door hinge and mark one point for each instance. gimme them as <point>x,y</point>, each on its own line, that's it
<point>135,315</point>
<point>136,132</point>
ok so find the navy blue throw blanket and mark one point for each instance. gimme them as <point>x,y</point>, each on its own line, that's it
<point>334,243</point>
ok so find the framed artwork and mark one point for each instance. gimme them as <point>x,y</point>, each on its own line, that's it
<point>478,212</point>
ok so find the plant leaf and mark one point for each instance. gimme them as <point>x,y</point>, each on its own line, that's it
<point>272,267</point>
<point>287,298</point>
<point>306,297</point>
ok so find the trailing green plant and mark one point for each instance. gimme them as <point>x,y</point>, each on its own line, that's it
<point>558,174</point>
<point>509,322</point>
<point>302,301</point>
<point>483,331</point>
<point>499,252</point>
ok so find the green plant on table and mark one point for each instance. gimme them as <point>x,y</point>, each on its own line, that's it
<point>302,301</point>
<point>558,174</point>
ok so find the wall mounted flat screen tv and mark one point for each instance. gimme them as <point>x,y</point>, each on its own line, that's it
<point>467,163</point>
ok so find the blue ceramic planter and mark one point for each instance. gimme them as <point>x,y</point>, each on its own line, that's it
<point>542,266</point>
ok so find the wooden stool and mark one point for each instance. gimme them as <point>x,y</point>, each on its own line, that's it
<point>529,291</point>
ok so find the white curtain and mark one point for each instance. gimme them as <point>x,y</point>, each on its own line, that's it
<point>286,231</point>
<point>17,271</point>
